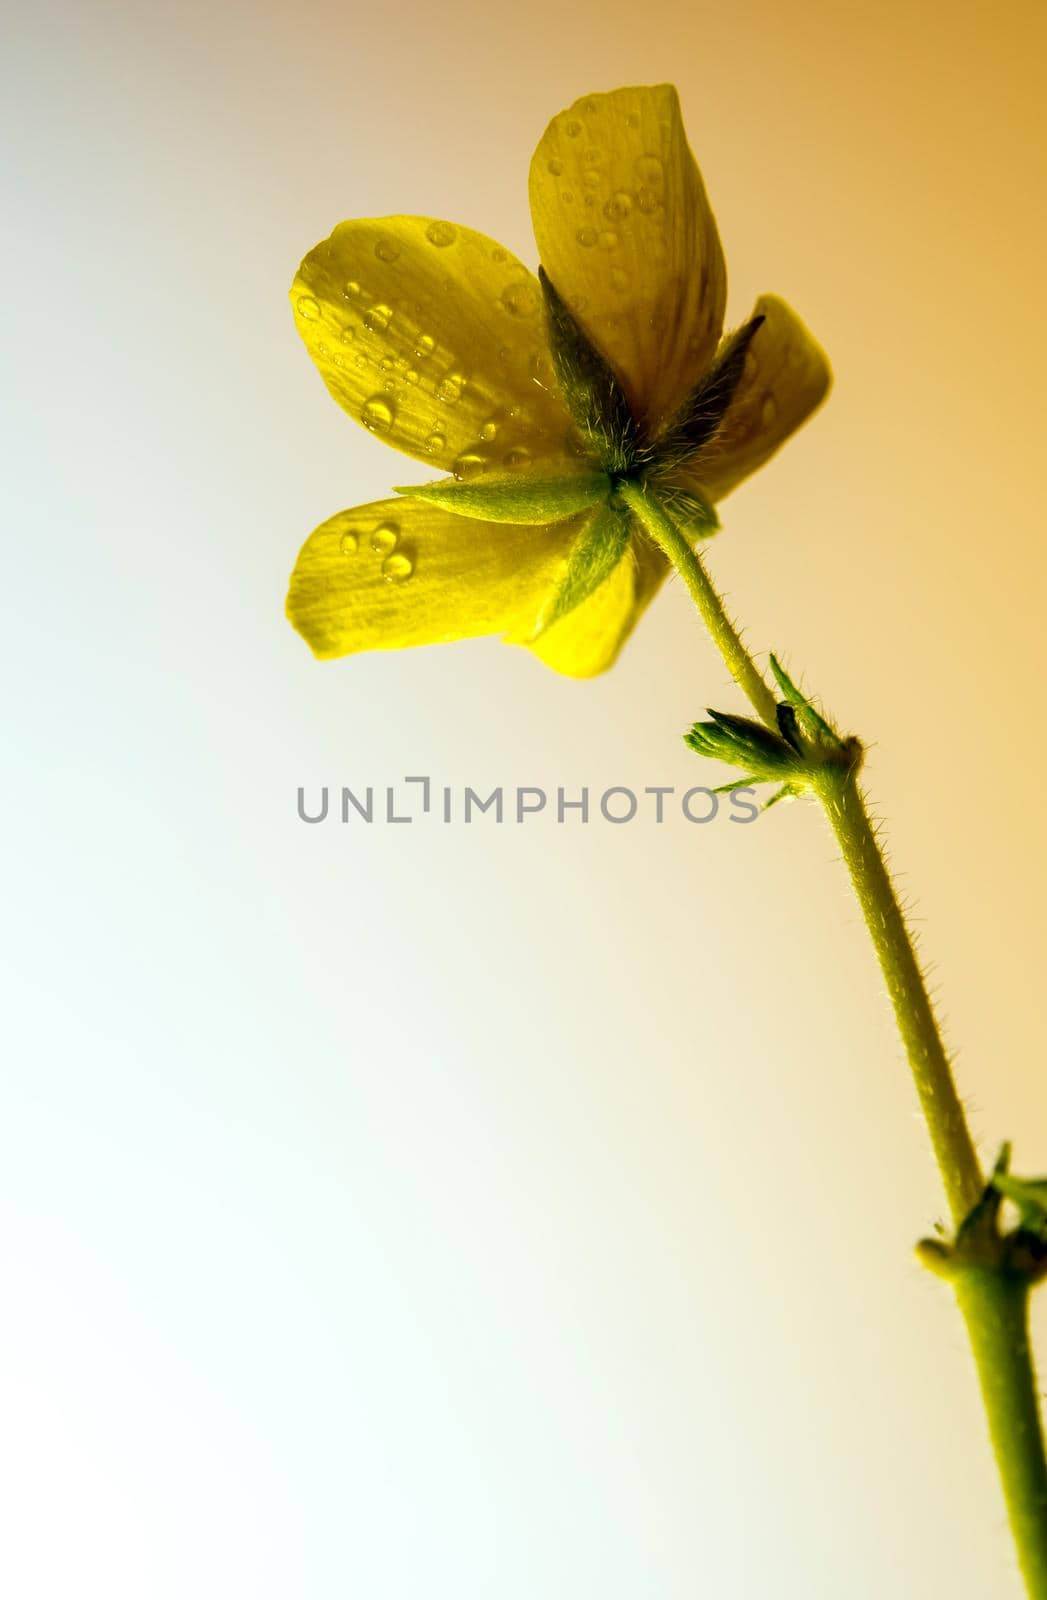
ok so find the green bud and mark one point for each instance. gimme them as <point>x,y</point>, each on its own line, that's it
<point>523,498</point>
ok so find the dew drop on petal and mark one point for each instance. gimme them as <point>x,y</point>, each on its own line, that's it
<point>555,167</point>
<point>608,239</point>
<point>378,414</point>
<point>567,196</point>
<point>520,299</point>
<point>384,538</point>
<point>387,250</point>
<point>378,318</point>
<point>396,568</point>
<point>308,307</point>
<point>573,129</point>
<point>424,346</point>
<point>517,457</point>
<point>650,172</point>
<point>441,234</point>
<point>618,206</point>
<point>351,290</point>
<point>469,465</point>
<point>410,376</point>
<point>489,430</point>
<point>347,544</point>
<point>450,388</point>
<point>648,202</point>
<point>769,410</point>
<point>435,443</point>
<point>348,335</point>
<point>586,237</point>
<point>632,120</point>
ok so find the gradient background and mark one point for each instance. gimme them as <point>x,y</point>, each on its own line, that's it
<point>523,1211</point>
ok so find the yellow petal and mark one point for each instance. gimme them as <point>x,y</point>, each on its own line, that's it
<point>588,639</point>
<point>625,232</point>
<point>786,376</point>
<point>400,572</point>
<point>433,337</point>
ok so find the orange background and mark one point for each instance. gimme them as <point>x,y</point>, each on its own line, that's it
<point>456,1211</point>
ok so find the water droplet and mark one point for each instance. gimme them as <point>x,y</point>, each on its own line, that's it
<point>498,254</point>
<point>592,180</point>
<point>384,539</point>
<point>489,430</point>
<point>632,120</point>
<point>618,206</point>
<point>517,457</point>
<point>387,250</point>
<point>377,414</point>
<point>450,388</point>
<point>352,290</point>
<point>586,237</point>
<point>593,156</point>
<point>573,129</point>
<point>608,239</point>
<point>769,410</point>
<point>362,361</point>
<point>322,349</point>
<point>648,201</point>
<point>410,376</point>
<point>567,196</point>
<point>555,167</point>
<point>387,363</point>
<point>650,171</point>
<point>469,465</point>
<point>520,299</point>
<point>348,543</point>
<point>424,346</point>
<point>308,307</point>
<point>435,443</point>
<point>591,107</point>
<point>378,318</point>
<point>396,568</point>
<point>348,335</point>
<point>441,234</point>
<point>504,354</point>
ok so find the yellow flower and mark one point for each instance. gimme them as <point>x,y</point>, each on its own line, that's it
<point>539,397</point>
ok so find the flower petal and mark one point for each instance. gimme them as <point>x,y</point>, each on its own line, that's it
<point>786,377</point>
<point>588,639</point>
<point>433,337</point>
<point>400,572</point>
<point>625,232</point>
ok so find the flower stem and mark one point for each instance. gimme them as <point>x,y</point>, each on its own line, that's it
<point>995,1307</point>
<point>994,1303</point>
<point>723,632</point>
<point>838,790</point>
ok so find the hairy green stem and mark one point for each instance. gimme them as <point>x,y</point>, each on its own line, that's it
<point>995,1308</point>
<point>725,635</point>
<point>838,790</point>
<point>994,1304</point>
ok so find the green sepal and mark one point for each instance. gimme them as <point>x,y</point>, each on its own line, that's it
<point>748,745</point>
<point>694,515</point>
<point>591,391</point>
<point>597,550</point>
<point>1029,1195</point>
<point>700,416</point>
<point>522,498</point>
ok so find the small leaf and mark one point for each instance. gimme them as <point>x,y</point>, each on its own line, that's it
<point>521,499</point>
<point>597,550</point>
<point>591,392</point>
<point>1029,1195</point>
